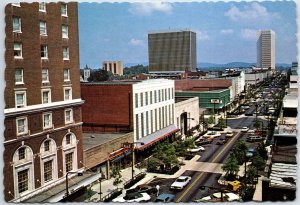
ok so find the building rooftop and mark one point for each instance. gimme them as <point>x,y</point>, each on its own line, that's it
<point>170,31</point>
<point>94,139</point>
<point>290,100</point>
<point>283,175</point>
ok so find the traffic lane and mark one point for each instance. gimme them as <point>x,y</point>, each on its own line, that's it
<point>165,184</point>
<point>241,122</point>
<point>194,192</point>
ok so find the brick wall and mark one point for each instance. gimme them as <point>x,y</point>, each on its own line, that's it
<point>107,107</point>
<point>202,85</point>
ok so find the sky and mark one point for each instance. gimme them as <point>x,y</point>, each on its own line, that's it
<point>226,32</point>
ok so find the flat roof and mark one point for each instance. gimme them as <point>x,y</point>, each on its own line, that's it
<point>171,31</point>
<point>192,91</point>
<point>91,140</point>
<point>183,98</point>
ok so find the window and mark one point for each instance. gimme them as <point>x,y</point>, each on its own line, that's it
<point>137,126</point>
<point>69,162</point>
<point>151,97</point>
<point>19,76</point>
<point>21,125</point>
<point>68,139</point>
<point>43,28</point>
<point>68,93</point>
<point>17,50</point>
<point>23,180</point>
<point>66,53</point>
<point>142,102</point>
<point>47,145</point>
<point>172,93</point>
<point>163,95</point>
<point>64,9</point>
<point>155,100</point>
<point>136,100</point>
<point>68,116</point>
<point>20,99</point>
<point>45,75</point>
<point>159,99</point>
<point>66,74</point>
<point>42,7</point>
<point>46,96</point>
<point>21,153</point>
<point>17,24</point>
<point>146,95</point>
<point>44,52</point>
<point>47,120</point>
<point>48,170</point>
<point>142,124</point>
<point>65,31</point>
<point>169,92</point>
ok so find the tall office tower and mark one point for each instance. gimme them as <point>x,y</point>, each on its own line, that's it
<point>43,133</point>
<point>266,49</point>
<point>172,51</point>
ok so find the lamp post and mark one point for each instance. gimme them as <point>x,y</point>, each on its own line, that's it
<point>100,191</point>
<point>130,145</point>
<point>67,180</point>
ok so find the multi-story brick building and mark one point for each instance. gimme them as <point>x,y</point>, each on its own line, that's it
<point>43,133</point>
<point>144,107</point>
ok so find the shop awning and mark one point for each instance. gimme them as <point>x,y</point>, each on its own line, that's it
<point>119,153</point>
<point>155,137</point>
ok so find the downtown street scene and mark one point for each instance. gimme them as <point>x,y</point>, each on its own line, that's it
<point>150,102</point>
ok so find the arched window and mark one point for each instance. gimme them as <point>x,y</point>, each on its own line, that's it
<point>69,147</point>
<point>23,171</point>
<point>48,161</point>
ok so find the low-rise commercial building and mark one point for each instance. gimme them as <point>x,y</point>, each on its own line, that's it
<point>115,67</point>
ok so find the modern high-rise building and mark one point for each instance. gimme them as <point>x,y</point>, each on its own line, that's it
<point>43,126</point>
<point>172,51</point>
<point>266,49</point>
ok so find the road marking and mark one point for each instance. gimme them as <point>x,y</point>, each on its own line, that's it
<point>197,179</point>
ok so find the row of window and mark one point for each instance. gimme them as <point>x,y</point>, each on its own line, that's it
<point>151,121</point>
<point>18,51</point>
<point>19,75</point>
<point>22,122</point>
<point>153,97</point>
<point>21,99</point>
<point>42,8</point>
<point>43,27</point>
<point>49,171</point>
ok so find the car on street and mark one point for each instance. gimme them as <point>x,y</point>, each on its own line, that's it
<point>222,141</point>
<point>165,198</point>
<point>212,134</point>
<point>254,138</point>
<point>143,188</point>
<point>251,131</point>
<point>134,197</point>
<point>196,149</point>
<point>244,129</point>
<point>229,134</point>
<point>181,182</point>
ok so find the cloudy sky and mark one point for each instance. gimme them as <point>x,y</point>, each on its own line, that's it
<point>226,32</point>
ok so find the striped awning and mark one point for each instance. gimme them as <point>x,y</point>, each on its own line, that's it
<point>155,137</point>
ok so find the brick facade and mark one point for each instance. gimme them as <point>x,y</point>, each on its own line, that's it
<point>107,108</point>
<point>32,65</point>
<point>202,85</point>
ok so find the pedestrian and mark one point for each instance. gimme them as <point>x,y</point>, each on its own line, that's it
<point>157,188</point>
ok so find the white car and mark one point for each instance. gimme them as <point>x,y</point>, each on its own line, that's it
<point>251,131</point>
<point>229,134</point>
<point>212,134</point>
<point>196,149</point>
<point>245,129</point>
<point>181,182</point>
<point>135,197</point>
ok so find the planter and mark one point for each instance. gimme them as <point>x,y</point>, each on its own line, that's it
<point>133,181</point>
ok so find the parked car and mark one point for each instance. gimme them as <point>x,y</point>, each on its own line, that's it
<point>165,198</point>
<point>134,197</point>
<point>229,134</point>
<point>196,149</point>
<point>212,134</point>
<point>245,129</point>
<point>254,138</point>
<point>143,188</point>
<point>204,141</point>
<point>181,182</point>
<point>251,131</point>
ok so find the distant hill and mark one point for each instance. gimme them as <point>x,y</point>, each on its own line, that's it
<point>215,65</point>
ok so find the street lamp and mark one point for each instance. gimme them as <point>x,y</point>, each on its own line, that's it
<point>79,173</point>
<point>130,145</point>
<point>100,191</point>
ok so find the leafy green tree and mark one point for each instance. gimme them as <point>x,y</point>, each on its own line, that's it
<point>89,193</point>
<point>231,167</point>
<point>116,174</point>
<point>251,173</point>
<point>99,75</point>
<point>152,165</point>
<point>222,122</point>
<point>182,147</point>
<point>166,153</point>
<point>262,151</point>
<point>210,120</point>
<point>239,150</point>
